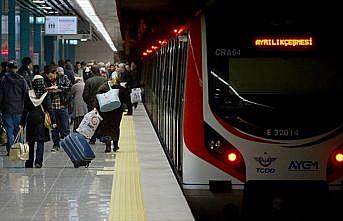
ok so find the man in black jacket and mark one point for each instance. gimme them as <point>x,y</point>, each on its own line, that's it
<point>26,71</point>
<point>13,89</point>
<point>68,70</point>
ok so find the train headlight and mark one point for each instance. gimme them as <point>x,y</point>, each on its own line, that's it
<point>339,157</point>
<point>233,157</point>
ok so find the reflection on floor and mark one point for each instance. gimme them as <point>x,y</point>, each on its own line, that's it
<point>57,191</point>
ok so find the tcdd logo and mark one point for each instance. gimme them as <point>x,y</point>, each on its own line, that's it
<point>303,165</point>
<point>265,161</point>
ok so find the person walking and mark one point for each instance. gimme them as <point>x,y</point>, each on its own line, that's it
<point>36,104</point>
<point>26,71</point>
<point>79,106</point>
<point>109,127</point>
<point>59,88</point>
<point>13,89</point>
<point>92,86</point>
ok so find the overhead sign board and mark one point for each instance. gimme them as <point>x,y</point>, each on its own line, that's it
<point>74,37</point>
<point>60,25</point>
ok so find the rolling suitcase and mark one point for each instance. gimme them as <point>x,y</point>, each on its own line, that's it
<point>78,150</point>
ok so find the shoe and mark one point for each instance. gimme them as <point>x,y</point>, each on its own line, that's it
<point>8,153</point>
<point>38,165</point>
<point>55,149</point>
<point>107,150</point>
<point>108,147</point>
<point>115,146</point>
<point>27,165</point>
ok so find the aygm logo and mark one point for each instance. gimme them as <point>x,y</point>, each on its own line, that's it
<point>265,161</point>
<point>303,165</point>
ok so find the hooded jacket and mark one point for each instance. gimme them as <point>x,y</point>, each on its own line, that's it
<point>13,90</point>
<point>25,72</point>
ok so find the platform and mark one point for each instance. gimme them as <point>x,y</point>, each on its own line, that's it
<point>136,183</point>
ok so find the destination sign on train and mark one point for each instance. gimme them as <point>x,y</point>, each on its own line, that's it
<point>284,42</point>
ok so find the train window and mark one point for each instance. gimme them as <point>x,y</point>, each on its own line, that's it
<point>277,76</point>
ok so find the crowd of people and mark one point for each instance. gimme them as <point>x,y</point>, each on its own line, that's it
<point>65,92</point>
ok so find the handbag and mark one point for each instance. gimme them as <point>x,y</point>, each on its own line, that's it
<point>19,150</point>
<point>110,100</point>
<point>47,119</point>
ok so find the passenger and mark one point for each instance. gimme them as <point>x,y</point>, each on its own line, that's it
<point>109,127</point>
<point>36,70</point>
<point>126,79</point>
<point>87,73</point>
<point>4,68</point>
<point>81,70</point>
<point>26,71</point>
<point>103,72</point>
<point>115,72</point>
<point>61,63</point>
<point>111,69</point>
<point>68,70</point>
<point>92,86</point>
<point>134,76</point>
<point>37,101</point>
<point>59,88</point>
<point>46,70</point>
<point>79,106</point>
<point>13,89</point>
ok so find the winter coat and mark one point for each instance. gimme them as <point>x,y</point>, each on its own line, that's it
<point>91,89</point>
<point>110,125</point>
<point>63,84</point>
<point>33,117</point>
<point>127,77</point>
<point>68,70</point>
<point>13,89</point>
<point>80,107</point>
<point>25,72</point>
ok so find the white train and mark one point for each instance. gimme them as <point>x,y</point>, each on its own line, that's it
<point>258,105</point>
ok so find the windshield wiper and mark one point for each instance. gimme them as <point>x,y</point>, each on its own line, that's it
<point>239,96</point>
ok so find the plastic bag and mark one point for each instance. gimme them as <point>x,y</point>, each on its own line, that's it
<point>136,95</point>
<point>110,100</point>
<point>19,150</point>
<point>89,123</point>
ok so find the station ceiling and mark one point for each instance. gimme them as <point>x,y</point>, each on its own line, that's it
<point>122,16</point>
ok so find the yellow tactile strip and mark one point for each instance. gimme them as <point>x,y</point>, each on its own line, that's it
<point>127,196</point>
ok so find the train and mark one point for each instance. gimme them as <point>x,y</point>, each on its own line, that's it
<point>251,102</point>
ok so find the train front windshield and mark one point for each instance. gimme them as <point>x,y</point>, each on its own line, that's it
<point>281,81</point>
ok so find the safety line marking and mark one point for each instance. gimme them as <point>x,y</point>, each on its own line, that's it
<point>127,196</point>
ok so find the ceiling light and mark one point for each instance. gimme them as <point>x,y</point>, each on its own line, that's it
<point>89,11</point>
<point>38,1</point>
<point>45,7</point>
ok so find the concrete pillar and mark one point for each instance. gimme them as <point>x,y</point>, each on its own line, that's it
<point>72,53</point>
<point>66,49</point>
<point>49,44</point>
<point>37,41</point>
<point>11,30</point>
<point>60,50</point>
